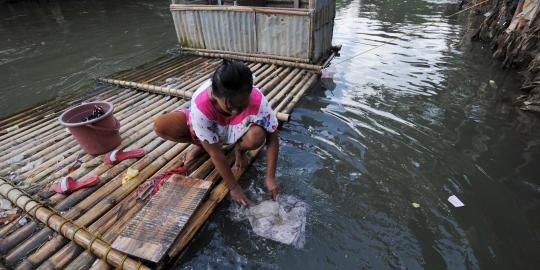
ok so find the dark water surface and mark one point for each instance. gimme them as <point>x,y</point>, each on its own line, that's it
<point>415,120</point>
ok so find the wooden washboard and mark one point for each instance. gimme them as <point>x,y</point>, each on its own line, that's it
<point>152,231</point>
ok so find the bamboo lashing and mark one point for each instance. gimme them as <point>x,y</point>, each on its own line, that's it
<point>67,228</point>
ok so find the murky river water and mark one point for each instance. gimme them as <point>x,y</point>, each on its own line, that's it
<point>413,121</point>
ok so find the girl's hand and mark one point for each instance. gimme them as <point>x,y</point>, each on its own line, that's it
<point>272,187</point>
<point>240,197</point>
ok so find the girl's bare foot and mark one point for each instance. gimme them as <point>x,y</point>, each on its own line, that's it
<point>193,153</point>
<point>241,160</point>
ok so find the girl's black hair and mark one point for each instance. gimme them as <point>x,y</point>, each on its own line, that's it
<point>231,78</point>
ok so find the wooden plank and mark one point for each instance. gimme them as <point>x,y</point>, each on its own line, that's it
<point>152,231</point>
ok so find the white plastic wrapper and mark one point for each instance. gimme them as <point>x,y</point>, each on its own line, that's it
<point>283,220</point>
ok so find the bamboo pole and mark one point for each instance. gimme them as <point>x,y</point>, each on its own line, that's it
<point>265,10</point>
<point>99,207</point>
<point>264,75</point>
<point>310,67</point>
<point>48,125</point>
<point>37,121</point>
<point>143,129</point>
<point>23,120</point>
<point>44,234</point>
<point>147,87</point>
<point>185,65</point>
<point>98,171</point>
<point>263,71</point>
<point>202,170</point>
<point>79,195</point>
<point>109,224</point>
<point>264,81</point>
<point>291,94</point>
<point>154,69</point>
<point>155,101</point>
<point>278,86</point>
<point>286,81</point>
<point>9,228</point>
<point>205,209</point>
<point>287,89</point>
<point>158,74</point>
<point>194,77</point>
<point>13,239</point>
<point>45,107</point>
<point>142,71</point>
<point>119,112</point>
<point>144,74</point>
<point>169,91</point>
<point>68,147</point>
<point>107,194</point>
<point>68,229</point>
<point>267,87</point>
<point>252,55</point>
<point>299,95</point>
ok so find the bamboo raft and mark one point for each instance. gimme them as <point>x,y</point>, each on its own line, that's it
<point>75,231</point>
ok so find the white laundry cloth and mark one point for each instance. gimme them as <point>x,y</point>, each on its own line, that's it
<point>283,220</point>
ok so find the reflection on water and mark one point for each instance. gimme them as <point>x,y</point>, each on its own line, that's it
<point>415,120</point>
<point>50,48</point>
<point>412,121</point>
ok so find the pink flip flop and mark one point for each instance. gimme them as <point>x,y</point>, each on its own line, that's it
<point>68,184</point>
<point>118,155</point>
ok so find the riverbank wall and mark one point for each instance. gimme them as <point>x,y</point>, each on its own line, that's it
<point>512,29</point>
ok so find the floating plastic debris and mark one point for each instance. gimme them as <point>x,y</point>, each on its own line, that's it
<point>23,221</point>
<point>493,84</point>
<point>455,201</point>
<point>415,205</point>
<point>328,73</point>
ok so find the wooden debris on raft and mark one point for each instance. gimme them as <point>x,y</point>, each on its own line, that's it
<point>152,231</point>
<point>107,208</point>
<point>513,30</point>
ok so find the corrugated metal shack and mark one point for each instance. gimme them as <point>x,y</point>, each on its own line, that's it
<point>77,230</point>
<point>295,30</point>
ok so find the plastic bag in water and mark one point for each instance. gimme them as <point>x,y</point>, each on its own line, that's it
<point>327,78</point>
<point>283,220</point>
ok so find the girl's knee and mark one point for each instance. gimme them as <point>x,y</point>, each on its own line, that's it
<point>160,125</point>
<point>254,137</point>
<point>171,125</point>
